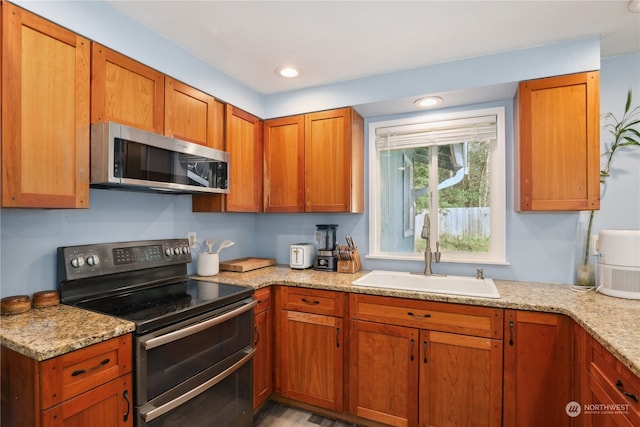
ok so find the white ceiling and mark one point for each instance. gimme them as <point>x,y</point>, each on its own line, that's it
<point>335,41</point>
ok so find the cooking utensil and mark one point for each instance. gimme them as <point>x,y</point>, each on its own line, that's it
<point>210,243</point>
<point>224,245</point>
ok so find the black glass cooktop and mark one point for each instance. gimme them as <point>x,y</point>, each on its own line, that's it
<point>156,307</point>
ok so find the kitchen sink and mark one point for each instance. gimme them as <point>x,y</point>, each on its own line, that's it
<point>440,284</point>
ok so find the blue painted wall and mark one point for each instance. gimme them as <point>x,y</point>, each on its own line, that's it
<point>540,246</point>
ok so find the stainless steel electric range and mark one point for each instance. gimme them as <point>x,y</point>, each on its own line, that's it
<point>193,341</point>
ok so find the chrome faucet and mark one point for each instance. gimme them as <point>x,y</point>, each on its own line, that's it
<point>429,256</point>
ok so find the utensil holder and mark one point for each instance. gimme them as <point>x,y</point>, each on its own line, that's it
<point>208,264</point>
<point>352,265</point>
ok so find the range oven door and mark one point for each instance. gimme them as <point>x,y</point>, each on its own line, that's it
<point>222,400</point>
<point>197,359</point>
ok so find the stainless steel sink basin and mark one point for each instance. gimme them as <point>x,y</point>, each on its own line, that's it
<point>454,285</point>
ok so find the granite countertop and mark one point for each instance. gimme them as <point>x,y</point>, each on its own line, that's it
<point>43,333</point>
<point>48,332</point>
<point>613,322</point>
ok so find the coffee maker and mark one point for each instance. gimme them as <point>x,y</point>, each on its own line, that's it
<point>327,254</point>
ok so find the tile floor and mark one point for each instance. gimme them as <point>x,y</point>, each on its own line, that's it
<point>277,415</point>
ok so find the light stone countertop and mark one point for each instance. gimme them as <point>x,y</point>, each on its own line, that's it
<point>43,333</point>
<point>613,322</point>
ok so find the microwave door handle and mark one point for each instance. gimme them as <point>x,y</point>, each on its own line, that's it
<point>198,327</point>
<point>161,410</point>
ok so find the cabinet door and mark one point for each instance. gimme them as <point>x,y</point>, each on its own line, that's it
<point>538,369</point>
<point>45,117</point>
<point>263,359</point>
<point>383,373</point>
<point>190,115</point>
<point>460,380</point>
<point>109,405</point>
<point>312,359</point>
<point>334,167</point>
<point>558,143</point>
<point>244,144</point>
<point>125,91</point>
<point>284,164</point>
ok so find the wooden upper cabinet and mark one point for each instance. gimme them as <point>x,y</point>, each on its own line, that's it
<point>125,91</point>
<point>244,144</point>
<point>557,139</point>
<point>284,164</point>
<point>334,161</point>
<point>192,115</point>
<point>314,162</point>
<point>45,117</point>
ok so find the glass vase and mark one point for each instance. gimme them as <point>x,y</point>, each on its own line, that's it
<point>585,265</point>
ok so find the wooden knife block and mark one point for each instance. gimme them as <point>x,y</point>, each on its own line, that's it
<point>351,266</point>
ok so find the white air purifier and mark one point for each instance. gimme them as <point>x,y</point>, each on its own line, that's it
<point>619,263</point>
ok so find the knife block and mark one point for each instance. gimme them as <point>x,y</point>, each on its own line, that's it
<point>350,266</point>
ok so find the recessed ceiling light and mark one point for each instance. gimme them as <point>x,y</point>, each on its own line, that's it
<point>429,101</point>
<point>288,72</point>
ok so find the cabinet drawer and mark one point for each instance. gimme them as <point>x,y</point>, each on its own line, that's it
<point>615,378</point>
<point>263,296</point>
<point>66,376</point>
<point>314,301</point>
<point>457,318</point>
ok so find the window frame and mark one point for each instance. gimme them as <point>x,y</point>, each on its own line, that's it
<point>497,253</point>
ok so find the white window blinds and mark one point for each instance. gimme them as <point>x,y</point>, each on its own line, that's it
<point>481,128</point>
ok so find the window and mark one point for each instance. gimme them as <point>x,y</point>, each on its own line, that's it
<point>442,177</point>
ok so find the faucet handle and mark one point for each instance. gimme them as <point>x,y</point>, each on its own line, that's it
<point>480,274</point>
<point>437,253</point>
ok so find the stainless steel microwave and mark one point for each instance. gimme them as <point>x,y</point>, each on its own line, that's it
<point>127,158</point>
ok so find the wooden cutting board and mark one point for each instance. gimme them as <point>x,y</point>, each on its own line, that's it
<point>246,264</point>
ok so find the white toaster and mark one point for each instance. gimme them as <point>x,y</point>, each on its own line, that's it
<point>301,255</point>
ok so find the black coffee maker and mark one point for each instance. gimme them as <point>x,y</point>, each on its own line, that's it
<point>327,254</point>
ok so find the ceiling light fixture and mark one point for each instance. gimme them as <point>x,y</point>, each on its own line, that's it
<point>428,101</point>
<point>288,72</point>
<point>634,6</point>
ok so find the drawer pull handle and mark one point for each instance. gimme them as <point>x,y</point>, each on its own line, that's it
<point>257,334</point>
<point>260,301</point>
<point>511,326</point>
<point>310,302</point>
<point>412,314</point>
<point>620,387</point>
<point>84,371</point>
<point>126,397</point>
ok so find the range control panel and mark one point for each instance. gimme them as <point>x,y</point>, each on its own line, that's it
<point>77,262</point>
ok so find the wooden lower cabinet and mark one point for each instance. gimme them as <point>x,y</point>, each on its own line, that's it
<point>403,374</point>
<point>312,359</point>
<point>460,380</point>
<point>91,386</point>
<point>109,405</point>
<point>611,392</point>
<point>311,347</point>
<point>538,369</point>
<point>383,383</point>
<point>263,359</point>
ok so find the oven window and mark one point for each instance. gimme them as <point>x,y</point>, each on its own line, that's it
<point>228,403</point>
<point>172,363</point>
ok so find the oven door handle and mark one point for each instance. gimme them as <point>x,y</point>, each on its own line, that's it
<point>198,327</point>
<point>161,410</point>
